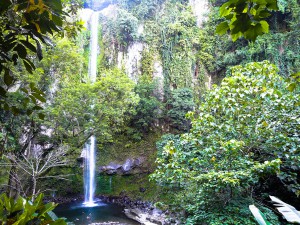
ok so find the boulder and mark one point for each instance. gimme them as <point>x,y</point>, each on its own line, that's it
<point>130,166</point>
<point>111,168</point>
<point>145,218</point>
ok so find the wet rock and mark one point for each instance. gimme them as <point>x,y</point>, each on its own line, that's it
<point>143,212</point>
<point>145,218</point>
<point>130,166</point>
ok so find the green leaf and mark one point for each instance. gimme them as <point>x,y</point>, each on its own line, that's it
<point>236,36</point>
<point>33,99</point>
<point>253,32</point>
<point>49,206</point>
<point>296,75</point>
<point>37,107</point>
<point>39,97</point>
<point>265,26</point>
<point>259,216</point>
<point>21,50</point>
<point>29,45</point>
<point>41,116</point>
<point>225,9</point>
<point>39,51</point>
<point>8,79</point>
<point>222,28</point>
<point>2,91</point>
<point>28,67</point>
<point>57,20</point>
<point>272,4</point>
<point>291,87</point>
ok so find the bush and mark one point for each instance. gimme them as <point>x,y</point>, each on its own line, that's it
<point>21,211</point>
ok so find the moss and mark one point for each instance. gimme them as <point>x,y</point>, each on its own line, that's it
<point>134,186</point>
<point>124,147</point>
<point>71,185</point>
<point>147,65</point>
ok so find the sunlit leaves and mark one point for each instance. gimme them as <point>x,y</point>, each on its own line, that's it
<point>246,128</point>
<point>22,211</point>
<point>245,18</point>
<point>98,108</point>
<point>25,24</point>
<point>222,28</point>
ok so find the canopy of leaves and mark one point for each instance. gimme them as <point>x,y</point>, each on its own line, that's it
<point>245,130</point>
<point>246,18</point>
<point>25,26</point>
<point>92,108</point>
<point>180,102</point>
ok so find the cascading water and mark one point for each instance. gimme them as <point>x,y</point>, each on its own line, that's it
<point>89,173</point>
<point>90,147</point>
<point>93,46</point>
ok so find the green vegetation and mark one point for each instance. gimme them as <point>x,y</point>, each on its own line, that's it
<point>22,211</point>
<point>216,118</point>
<point>247,18</point>
<point>245,131</point>
<point>134,186</point>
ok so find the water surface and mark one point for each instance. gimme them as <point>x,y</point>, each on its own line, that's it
<point>82,215</point>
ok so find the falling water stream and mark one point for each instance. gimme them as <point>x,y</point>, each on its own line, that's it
<point>90,146</point>
<point>89,173</point>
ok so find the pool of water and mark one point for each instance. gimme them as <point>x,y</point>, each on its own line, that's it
<point>80,214</point>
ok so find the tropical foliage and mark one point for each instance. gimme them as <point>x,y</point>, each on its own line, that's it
<point>246,18</point>
<point>245,131</point>
<point>22,211</point>
<point>238,143</point>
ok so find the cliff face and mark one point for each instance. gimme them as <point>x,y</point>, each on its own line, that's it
<point>128,33</point>
<point>156,42</point>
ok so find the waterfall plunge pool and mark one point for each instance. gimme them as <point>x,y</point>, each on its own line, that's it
<point>79,214</point>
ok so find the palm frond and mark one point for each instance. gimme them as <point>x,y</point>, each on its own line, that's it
<point>259,216</point>
<point>289,212</point>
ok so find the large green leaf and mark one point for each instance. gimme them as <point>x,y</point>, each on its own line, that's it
<point>259,216</point>
<point>222,28</point>
<point>289,212</point>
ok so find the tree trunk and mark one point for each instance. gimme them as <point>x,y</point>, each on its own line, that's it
<point>33,188</point>
<point>13,190</point>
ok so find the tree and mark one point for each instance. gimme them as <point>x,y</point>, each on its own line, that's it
<point>25,25</point>
<point>32,167</point>
<point>180,102</point>
<point>246,18</point>
<point>147,112</point>
<point>245,130</point>
<point>86,109</point>
<point>24,131</point>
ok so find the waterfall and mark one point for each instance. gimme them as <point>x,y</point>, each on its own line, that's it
<point>93,46</point>
<point>90,146</point>
<point>89,172</point>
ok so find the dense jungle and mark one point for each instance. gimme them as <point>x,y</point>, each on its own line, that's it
<point>191,107</point>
